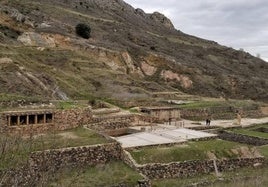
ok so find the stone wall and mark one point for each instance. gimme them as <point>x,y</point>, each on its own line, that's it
<point>214,112</point>
<point>189,168</point>
<point>194,114</point>
<point>202,128</point>
<point>51,161</point>
<point>83,156</point>
<point>68,119</point>
<point>29,130</point>
<point>221,112</point>
<point>104,111</point>
<point>162,114</point>
<point>230,136</point>
<point>111,123</point>
<point>166,115</point>
<point>3,122</point>
<point>192,168</point>
<point>144,118</point>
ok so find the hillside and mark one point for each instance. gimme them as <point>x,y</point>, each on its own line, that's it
<point>130,55</point>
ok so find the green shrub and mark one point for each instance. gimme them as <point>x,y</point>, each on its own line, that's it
<point>83,30</point>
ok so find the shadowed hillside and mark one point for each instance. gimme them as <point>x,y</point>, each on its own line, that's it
<point>130,55</point>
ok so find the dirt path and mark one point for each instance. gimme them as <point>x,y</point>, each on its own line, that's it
<point>227,123</point>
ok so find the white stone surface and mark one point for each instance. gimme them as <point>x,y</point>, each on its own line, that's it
<point>160,137</point>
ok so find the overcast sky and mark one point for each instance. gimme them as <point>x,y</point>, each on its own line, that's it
<point>234,23</point>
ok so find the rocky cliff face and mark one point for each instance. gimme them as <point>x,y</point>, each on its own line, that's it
<point>129,55</point>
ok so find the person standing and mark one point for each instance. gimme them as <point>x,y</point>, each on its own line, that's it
<point>208,120</point>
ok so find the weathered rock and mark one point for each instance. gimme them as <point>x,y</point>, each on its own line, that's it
<point>35,39</point>
<point>5,60</point>
<point>16,15</point>
<point>162,19</point>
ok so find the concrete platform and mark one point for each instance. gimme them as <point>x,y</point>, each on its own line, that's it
<point>184,134</point>
<point>159,137</point>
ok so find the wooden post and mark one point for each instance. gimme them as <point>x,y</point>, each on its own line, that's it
<point>35,119</point>
<point>53,117</point>
<point>45,118</point>
<point>18,120</point>
<point>27,120</point>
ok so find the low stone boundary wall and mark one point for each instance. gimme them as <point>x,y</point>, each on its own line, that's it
<point>144,118</point>
<point>230,136</point>
<point>192,168</point>
<point>105,111</point>
<point>202,128</point>
<point>86,155</point>
<point>52,160</point>
<point>189,168</point>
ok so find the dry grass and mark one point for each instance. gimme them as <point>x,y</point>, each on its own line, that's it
<point>193,151</point>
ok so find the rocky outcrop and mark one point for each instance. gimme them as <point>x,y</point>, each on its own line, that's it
<point>162,19</point>
<point>148,69</point>
<point>185,81</point>
<point>35,39</point>
<point>132,35</point>
<point>17,16</point>
<point>6,61</point>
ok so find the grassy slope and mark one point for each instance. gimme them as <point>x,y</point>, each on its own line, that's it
<point>207,103</point>
<point>263,150</point>
<point>252,132</point>
<point>110,174</point>
<point>245,177</point>
<point>190,151</point>
<point>206,63</point>
<point>16,150</point>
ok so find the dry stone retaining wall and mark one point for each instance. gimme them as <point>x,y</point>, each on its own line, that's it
<point>188,168</point>
<point>111,123</point>
<point>230,136</point>
<point>68,119</point>
<point>86,155</point>
<point>192,168</point>
<point>221,112</point>
<point>51,161</point>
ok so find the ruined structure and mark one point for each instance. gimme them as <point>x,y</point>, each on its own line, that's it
<point>163,114</point>
<point>14,118</point>
<point>41,121</point>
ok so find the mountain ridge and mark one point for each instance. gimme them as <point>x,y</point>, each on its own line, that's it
<point>130,55</point>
